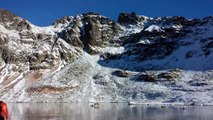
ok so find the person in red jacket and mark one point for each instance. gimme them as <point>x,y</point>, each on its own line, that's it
<point>3,111</point>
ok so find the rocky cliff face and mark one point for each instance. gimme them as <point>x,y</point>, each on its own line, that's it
<point>93,58</point>
<point>88,31</point>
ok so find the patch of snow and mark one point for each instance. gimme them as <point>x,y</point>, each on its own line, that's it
<point>131,29</point>
<point>144,41</point>
<point>10,33</point>
<point>152,28</point>
<point>113,50</point>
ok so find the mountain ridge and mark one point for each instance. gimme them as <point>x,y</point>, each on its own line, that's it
<point>90,57</point>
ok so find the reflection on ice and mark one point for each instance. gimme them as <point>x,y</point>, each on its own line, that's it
<point>106,111</point>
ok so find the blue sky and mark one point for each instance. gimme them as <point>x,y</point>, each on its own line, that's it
<point>45,12</point>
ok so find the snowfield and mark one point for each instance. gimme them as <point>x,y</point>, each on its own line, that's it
<point>86,81</point>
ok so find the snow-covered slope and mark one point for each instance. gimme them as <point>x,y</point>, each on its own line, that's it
<point>91,58</point>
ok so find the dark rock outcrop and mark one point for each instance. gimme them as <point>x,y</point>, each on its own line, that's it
<point>147,77</point>
<point>207,45</point>
<point>3,40</point>
<point>129,18</point>
<point>171,75</point>
<point>94,32</point>
<point>120,73</point>
<point>189,54</point>
<point>100,80</point>
<point>72,37</point>
<point>89,31</point>
<point>158,50</point>
<point>23,25</point>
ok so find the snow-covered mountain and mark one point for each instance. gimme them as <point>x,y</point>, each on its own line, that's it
<point>90,58</point>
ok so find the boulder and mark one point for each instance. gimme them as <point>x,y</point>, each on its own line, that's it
<point>100,80</point>
<point>148,77</point>
<point>189,54</point>
<point>95,105</point>
<point>120,73</point>
<point>171,75</point>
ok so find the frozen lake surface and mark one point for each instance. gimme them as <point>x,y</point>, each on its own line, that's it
<point>106,111</point>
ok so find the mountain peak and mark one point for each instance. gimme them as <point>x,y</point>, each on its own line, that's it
<point>11,21</point>
<point>129,18</point>
<point>6,16</point>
